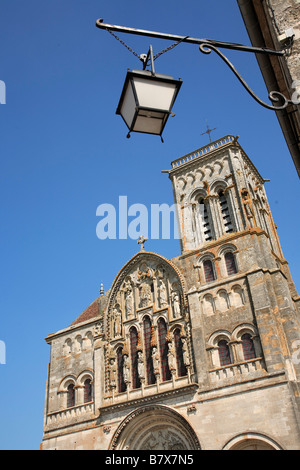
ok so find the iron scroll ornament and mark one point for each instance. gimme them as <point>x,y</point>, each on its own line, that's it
<point>274,96</point>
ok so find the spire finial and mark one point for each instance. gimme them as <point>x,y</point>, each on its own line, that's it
<point>101,289</point>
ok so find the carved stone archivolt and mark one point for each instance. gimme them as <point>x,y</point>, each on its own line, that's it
<point>155,427</point>
<point>139,264</point>
<point>148,286</point>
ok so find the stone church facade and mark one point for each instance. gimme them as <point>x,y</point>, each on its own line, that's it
<point>194,353</point>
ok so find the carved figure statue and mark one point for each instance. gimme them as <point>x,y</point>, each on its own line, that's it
<point>145,294</point>
<point>163,297</point>
<point>171,357</point>
<point>185,353</point>
<point>140,365</point>
<point>129,301</point>
<point>117,322</point>
<point>112,372</point>
<point>126,368</point>
<point>176,303</point>
<point>155,359</point>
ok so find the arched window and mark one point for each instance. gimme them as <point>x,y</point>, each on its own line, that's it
<point>163,348</point>
<point>207,231</point>
<point>136,383</point>
<point>70,395</point>
<point>87,390</point>
<point>230,263</point>
<point>147,339</point>
<point>248,347</point>
<point>121,383</point>
<point>224,353</point>
<point>225,212</point>
<point>208,270</point>
<point>181,369</point>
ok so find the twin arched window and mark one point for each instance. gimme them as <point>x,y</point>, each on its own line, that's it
<point>87,393</point>
<point>209,271</point>
<point>225,356</point>
<point>209,231</point>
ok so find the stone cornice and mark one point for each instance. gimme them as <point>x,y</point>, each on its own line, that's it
<point>157,397</point>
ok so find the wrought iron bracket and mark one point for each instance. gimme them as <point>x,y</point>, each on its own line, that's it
<point>274,96</point>
<point>206,46</point>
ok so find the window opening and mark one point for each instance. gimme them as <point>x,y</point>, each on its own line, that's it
<point>181,368</point>
<point>224,353</point>
<point>163,347</point>
<point>248,347</point>
<point>208,271</point>
<point>120,361</point>
<point>71,396</point>
<point>147,340</point>
<point>87,390</point>
<point>230,263</point>
<point>136,383</point>
<point>225,212</point>
<point>205,221</point>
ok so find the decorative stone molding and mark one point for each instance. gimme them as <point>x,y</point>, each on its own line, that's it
<point>154,427</point>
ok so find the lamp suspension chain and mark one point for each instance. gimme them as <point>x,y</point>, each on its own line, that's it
<point>169,48</point>
<point>123,43</point>
<point>140,56</point>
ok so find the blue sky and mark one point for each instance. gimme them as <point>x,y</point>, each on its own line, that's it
<point>64,152</point>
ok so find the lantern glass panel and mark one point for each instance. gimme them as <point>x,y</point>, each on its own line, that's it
<point>149,121</point>
<point>154,94</point>
<point>128,105</point>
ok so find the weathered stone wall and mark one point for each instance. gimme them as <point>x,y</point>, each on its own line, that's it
<point>282,16</point>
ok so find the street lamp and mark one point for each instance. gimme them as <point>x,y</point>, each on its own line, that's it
<point>147,99</point>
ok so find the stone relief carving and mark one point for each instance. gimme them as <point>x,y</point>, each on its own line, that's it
<point>154,285</point>
<point>98,329</point>
<point>162,439</point>
<point>145,294</point>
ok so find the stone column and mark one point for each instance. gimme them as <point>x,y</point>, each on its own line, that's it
<point>99,372</point>
<point>198,339</point>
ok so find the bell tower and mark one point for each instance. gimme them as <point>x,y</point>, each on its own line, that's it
<point>219,192</point>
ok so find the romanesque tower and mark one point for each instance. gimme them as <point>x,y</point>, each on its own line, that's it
<point>196,352</point>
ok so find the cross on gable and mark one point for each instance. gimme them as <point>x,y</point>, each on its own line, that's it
<point>141,242</point>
